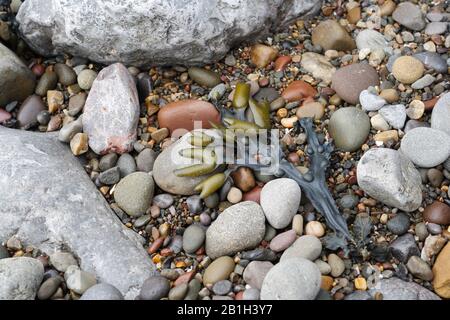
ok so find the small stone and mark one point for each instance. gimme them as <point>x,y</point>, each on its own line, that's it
<point>390,95</point>
<point>163,201</point>
<point>421,231</point>
<point>29,110</point>
<point>280,214</point>
<point>308,247</point>
<point>311,110</point>
<point>423,82</point>
<point>239,227</point>
<point>297,224</point>
<point>110,176</point>
<point>145,160</point>
<point>251,294</point>
<point>234,195</point>
<point>318,65</point>
<point>69,130</point>
<point>336,264</point>
<point>370,101</point>
<point>55,100</point>
<point>86,79</point>
<point>407,69</point>
<point>436,28</point>
<point>315,228</point>
<point>298,90</point>
<point>193,238</point>
<point>283,241</point>
<point>66,75</point>
<point>370,39</point>
<point>261,55</point>
<point>217,92</point>
<point>219,269</point>
<point>293,279</point>
<point>323,267</point>
<point>432,60</point>
<point>399,224</point>
<point>154,288</point>
<point>378,123</point>
<point>415,110</point>
<point>107,161</point>
<point>79,144</point>
<point>222,287</point>
<point>395,115</point>
<point>244,179</point>
<point>404,247</point>
<point>409,15</point>
<point>48,288</point>
<point>134,193</point>
<point>349,81</point>
<point>438,213</point>
<point>349,127</point>
<point>126,164</point>
<point>329,34</point>
<point>79,281</point>
<point>426,147</point>
<point>62,260</point>
<point>178,292</point>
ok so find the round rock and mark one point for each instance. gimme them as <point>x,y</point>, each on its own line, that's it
<point>280,213</point>
<point>426,147</point>
<point>134,193</point>
<point>307,247</point>
<point>102,291</point>
<point>154,288</point>
<point>293,279</point>
<point>193,238</point>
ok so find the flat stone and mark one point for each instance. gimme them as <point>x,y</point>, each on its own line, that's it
<point>426,147</point>
<point>20,278</point>
<point>349,127</point>
<point>419,268</point>
<point>186,115</point>
<point>219,269</point>
<point>388,176</point>
<point>238,228</point>
<point>204,77</point>
<point>298,90</point>
<point>280,213</point>
<point>394,114</point>
<point>102,291</point>
<point>371,39</point>
<point>440,117</point>
<point>432,60</point>
<point>436,28</point>
<point>426,81</point>
<point>33,186</point>
<point>409,15</point>
<point>349,81</point>
<point>111,112</point>
<point>142,33</point>
<point>307,247</point>
<point>311,110</point>
<point>292,279</point>
<point>193,238</point>
<point>370,101</point>
<point>329,34</point>
<point>14,71</point>
<point>318,65</point>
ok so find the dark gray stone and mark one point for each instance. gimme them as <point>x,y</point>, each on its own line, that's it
<point>145,160</point>
<point>154,288</point>
<point>110,176</point>
<point>49,202</point>
<point>126,164</point>
<point>399,224</point>
<point>404,247</point>
<point>145,32</point>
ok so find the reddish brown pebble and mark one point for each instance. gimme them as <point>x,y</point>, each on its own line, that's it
<point>185,278</point>
<point>166,252</point>
<point>253,195</point>
<point>239,295</point>
<point>182,114</point>
<point>293,158</point>
<point>429,104</point>
<point>438,213</point>
<point>38,69</point>
<point>282,62</point>
<point>155,245</point>
<point>263,82</point>
<point>298,90</point>
<point>243,179</point>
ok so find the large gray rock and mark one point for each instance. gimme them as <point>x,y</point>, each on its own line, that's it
<point>388,176</point>
<point>397,289</point>
<point>13,72</point>
<point>239,227</point>
<point>49,202</point>
<point>111,111</point>
<point>20,278</point>
<point>144,32</point>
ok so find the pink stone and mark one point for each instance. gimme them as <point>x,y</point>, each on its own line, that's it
<point>282,241</point>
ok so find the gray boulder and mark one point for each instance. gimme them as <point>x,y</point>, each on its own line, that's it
<point>13,71</point>
<point>49,202</point>
<point>388,176</point>
<point>397,289</point>
<point>20,278</point>
<point>153,32</point>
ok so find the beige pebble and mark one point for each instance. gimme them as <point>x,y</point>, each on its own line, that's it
<point>314,228</point>
<point>386,136</point>
<point>407,69</point>
<point>429,46</point>
<point>378,123</point>
<point>164,229</point>
<point>55,100</point>
<point>160,134</point>
<point>390,95</point>
<point>387,8</point>
<point>289,122</point>
<point>79,144</point>
<point>297,224</point>
<point>415,110</point>
<point>384,218</point>
<point>234,195</point>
